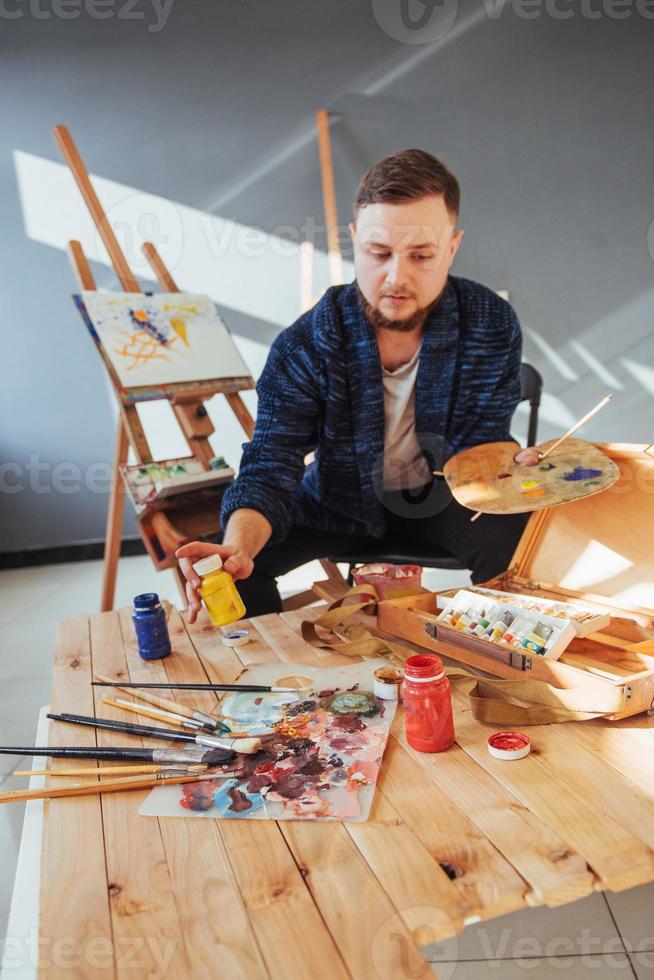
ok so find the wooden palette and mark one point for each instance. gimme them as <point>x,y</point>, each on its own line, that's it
<point>486,478</point>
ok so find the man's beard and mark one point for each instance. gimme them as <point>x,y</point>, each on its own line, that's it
<point>377,319</point>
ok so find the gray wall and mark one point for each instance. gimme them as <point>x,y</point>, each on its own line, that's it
<point>546,121</point>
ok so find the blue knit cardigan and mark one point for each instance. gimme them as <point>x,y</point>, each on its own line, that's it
<point>321,389</point>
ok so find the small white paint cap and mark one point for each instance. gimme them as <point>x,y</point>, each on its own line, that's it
<point>235,638</point>
<point>509,745</point>
<point>211,564</point>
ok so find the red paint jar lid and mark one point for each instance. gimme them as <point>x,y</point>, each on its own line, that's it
<point>509,745</point>
<point>423,667</point>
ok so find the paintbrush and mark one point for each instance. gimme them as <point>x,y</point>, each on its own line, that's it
<point>195,725</point>
<point>189,756</point>
<point>245,745</point>
<point>555,445</point>
<point>114,786</point>
<point>250,688</point>
<point>178,721</point>
<point>114,770</point>
<point>576,426</point>
<point>165,703</point>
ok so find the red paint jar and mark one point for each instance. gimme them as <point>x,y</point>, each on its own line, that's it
<point>427,704</point>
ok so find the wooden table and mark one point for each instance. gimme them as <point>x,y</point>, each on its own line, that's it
<point>452,838</point>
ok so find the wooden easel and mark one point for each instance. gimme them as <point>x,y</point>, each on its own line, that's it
<point>190,515</point>
<point>335,584</point>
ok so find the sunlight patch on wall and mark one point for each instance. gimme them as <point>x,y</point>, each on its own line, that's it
<point>239,266</point>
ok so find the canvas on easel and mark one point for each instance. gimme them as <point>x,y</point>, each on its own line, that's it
<point>161,338</point>
<point>187,516</point>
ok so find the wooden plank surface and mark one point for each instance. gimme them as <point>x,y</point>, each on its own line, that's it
<point>618,858</point>
<point>143,910</point>
<point>447,913</point>
<point>448,844</point>
<point>201,876</point>
<point>451,839</point>
<point>74,899</point>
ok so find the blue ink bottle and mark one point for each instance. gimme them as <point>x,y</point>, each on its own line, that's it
<point>150,626</point>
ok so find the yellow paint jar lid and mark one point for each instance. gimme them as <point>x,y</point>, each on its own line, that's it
<point>207,565</point>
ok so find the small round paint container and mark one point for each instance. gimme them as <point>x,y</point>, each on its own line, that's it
<point>509,745</point>
<point>386,683</point>
<point>235,638</point>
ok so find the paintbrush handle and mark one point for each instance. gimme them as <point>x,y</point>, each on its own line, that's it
<point>96,771</point>
<point>577,425</point>
<point>79,752</point>
<point>146,731</point>
<point>154,699</point>
<point>191,756</point>
<point>252,688</point>
<point>87,789</point>
<point>149,712</point>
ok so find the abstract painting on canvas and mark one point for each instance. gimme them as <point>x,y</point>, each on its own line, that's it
<point>161,338</point>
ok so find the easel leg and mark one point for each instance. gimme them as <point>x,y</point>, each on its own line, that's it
<point>114,522</point>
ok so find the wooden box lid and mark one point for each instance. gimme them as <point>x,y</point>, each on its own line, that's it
<point>601,546</point>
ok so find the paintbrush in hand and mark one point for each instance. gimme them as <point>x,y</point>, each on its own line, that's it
<point>245,745</point>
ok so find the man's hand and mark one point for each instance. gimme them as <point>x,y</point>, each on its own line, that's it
<point>236,561</point>
<point>528,457</point>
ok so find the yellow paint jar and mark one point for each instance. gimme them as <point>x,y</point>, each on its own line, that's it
<point>218,591</point>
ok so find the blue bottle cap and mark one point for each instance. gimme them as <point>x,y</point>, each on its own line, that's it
<point>148,600</point>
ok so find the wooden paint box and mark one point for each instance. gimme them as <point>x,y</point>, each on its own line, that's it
<point>600,551</point>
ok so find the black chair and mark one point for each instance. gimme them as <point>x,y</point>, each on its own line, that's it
<point>397,552</point>
<point>532,387</point>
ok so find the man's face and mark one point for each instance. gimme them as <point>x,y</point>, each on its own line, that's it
<point>402,257</point>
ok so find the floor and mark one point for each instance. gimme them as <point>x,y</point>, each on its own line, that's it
<point>602,936</point>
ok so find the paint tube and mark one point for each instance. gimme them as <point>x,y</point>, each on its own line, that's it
<point>500,626</point>
<point>537,640</point>
<point>493,615</point>
<point>488,619</point>
<point>473,619</point>
<point>465,619</point>
<point>518,627</point>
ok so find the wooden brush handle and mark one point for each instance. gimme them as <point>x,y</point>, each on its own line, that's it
<point>164,703</point>
<point>104,771</point>
<point>86,789</point>
<point>141,709</point>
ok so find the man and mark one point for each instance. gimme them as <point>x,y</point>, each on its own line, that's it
<point>384,379</point>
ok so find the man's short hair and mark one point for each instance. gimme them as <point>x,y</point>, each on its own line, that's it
<point>408,175</point>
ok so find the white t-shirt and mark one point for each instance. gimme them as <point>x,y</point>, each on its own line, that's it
<point>405,466</point>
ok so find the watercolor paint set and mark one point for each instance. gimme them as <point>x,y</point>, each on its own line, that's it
<point>504,624</point>
<point>149,484</point>
<point>584,619</point>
